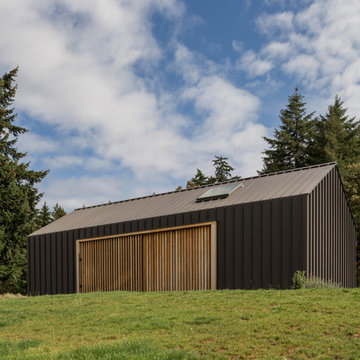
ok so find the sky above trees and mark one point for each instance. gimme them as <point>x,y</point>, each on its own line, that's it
<point>127,98</point>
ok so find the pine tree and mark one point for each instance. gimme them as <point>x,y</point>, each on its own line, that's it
<point>18,194</point>
<point>223,172</point>
<point>198,180</point>
<point>58,212</point>
<point>337,136</point>
<point>44,217</point>
<point>223,169</point>
<point>338,139</point>
<point>291,146</point>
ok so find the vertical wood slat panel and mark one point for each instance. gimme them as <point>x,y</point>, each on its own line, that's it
<point>178,259</point>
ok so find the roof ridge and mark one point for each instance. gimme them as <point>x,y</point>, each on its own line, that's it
<point>209,185</point>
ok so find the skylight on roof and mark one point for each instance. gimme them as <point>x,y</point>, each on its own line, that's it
<point>219,192</point>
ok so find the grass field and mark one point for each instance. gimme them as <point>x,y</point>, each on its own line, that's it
<point>262,324</point>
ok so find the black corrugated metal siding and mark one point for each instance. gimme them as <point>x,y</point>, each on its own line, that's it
<point>331,244</point>
<point>259,245</point>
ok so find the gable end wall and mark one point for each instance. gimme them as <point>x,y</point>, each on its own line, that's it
<point>331,243</point>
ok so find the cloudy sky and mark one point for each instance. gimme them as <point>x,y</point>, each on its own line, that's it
<point>123,98</point>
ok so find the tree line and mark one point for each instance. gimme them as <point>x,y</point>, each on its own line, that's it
<point>302,139</point>
<point>19,196</point>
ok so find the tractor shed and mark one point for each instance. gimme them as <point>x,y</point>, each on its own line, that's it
<point>245,234</point>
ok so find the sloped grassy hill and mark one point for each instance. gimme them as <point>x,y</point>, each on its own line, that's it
<point>262,324</point>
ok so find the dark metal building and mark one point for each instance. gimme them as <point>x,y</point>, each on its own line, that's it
<point>254,235</point>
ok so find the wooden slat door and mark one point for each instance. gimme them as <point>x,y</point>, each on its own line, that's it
<point>110,264</point>
<point>181,258</point>
<point>177,260</point>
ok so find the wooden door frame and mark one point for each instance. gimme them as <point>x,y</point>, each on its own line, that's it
<point>213,246</point>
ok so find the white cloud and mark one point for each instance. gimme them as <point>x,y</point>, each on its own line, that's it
<point>34,144</point>
<point>76,192</point>
<point>64,161</point>
<point>237,45</point>
<point>321,46</point>
<point>78,75</point>
<point>282,20</point>
<point>253,65</point>
<point>304,66</point>
<point>276,49</point>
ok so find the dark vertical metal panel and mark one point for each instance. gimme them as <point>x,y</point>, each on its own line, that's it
<point>120,228</point>
<point>333,227</point>
<point>171,220</point>
<point>220,215</point>
<point>321,229</point>
<point>28,270</point>
<point>248,279</point>
<point>195,217</point>
<point>257,262</point>
<point>305,232</point>
<point>31,265</point>
<point>179,219</point>
<point>212,215</point>
<point>141,226</point>
<point>94,231</point>
<point>76,236</point>
<point>37,264</point>
<point>42,264</point>
<point>82,233</point>
<point>326,197</point>
<point>127,227</point>
<point>296,234</point>
<point>286,243</point>
<point>313,230</point>
<point>203,216</point>
<point>71,264</point>
<point>148,224</point>
<point>163,221</point>
<point>65,271</point>
<point>229,247</point>
<point>187,218</point>
<point>107,230</point>
<point>317,227</point>
<point>48,263</point>
<point>134,226</point>
<point>238,248</point>
<point>59,261</point>
<point>101,230</point>
<point>266,244</point>
<point>276,250</point>
<point>53,263</point>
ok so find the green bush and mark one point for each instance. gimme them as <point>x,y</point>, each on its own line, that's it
<point>298,280</point>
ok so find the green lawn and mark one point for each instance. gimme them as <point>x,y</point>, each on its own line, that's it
<point>262,324</point>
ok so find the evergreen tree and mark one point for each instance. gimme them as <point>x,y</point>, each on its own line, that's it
<point>44,217</point>
<point>198,180</point>
<point>223,172</point>
<point>338,139</point>
<point>291,146</point>
<point>58,212</point>
<point>18,195</point>
<point>223,169</point>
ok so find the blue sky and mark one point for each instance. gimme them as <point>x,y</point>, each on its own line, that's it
<point>126,98</point>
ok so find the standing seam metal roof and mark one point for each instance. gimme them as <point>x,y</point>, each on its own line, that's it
<point>264,187</point>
